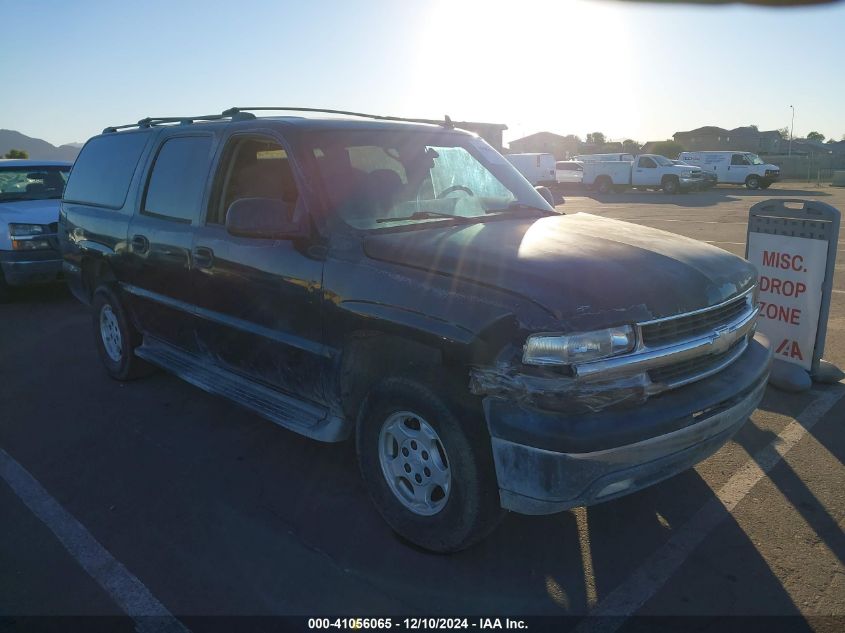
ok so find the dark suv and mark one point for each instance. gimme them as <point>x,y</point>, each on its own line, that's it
<point>402,283</point>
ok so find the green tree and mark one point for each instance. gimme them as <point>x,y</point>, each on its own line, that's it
<point>784,133</point>
<point>630,146</point>
<point>815,136</point>
<point>596,138</point>
<point>670,149</point>
<point>16,153</point>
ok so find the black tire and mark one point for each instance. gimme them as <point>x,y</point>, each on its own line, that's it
<point>752,182</point>
<point>604,185</point>
<point>471,510</point>
<point>127,366</point>
<point>670,185</point>
<point>4,289</point>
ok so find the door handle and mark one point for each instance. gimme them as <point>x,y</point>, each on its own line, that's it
<point>140,243</point>
<point>203,257</point>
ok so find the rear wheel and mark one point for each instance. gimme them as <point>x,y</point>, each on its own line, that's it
<point>427,465</point>
<point>116,337</point>
<point>670,185</point>
<point>752,182</point>
<point>604,185</point>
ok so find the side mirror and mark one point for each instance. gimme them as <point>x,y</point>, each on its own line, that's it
<point>267,218</point>
<point>547,195</point>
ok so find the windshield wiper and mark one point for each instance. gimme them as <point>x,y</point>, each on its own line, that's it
<point>421,215</point>
<point>517,206</point>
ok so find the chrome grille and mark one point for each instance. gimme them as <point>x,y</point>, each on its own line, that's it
<point>694,368</point>
<point>666,331</point>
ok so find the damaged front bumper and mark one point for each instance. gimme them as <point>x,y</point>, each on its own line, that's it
<point>548,461</point>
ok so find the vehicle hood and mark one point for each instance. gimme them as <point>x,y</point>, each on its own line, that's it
<point>588,271</point>
<point>682,168</point>
<point>30,211</point>
<point>771,167</point>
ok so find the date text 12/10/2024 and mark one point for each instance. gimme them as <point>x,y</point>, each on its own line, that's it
<point>414,624</point>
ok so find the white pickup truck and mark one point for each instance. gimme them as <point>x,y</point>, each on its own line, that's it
<point>646,171</point>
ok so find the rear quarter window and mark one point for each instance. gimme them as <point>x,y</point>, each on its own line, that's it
<point>177,182</point>
<point>103,171</point>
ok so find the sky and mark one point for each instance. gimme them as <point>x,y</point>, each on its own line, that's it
<point>629,70</point>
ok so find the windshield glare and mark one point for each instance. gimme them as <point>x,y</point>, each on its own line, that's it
<point>376,179</point>
<point>754,159</point>
<point>32,183</point>
<point>663,161</point>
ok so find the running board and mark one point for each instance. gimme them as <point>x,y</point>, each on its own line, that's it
<point>291,413</point>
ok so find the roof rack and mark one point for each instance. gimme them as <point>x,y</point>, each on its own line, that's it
<point>242,114</point>
<point>445,121</point>
<point>181,120</point>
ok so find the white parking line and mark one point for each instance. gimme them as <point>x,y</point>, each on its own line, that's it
<point>120,584</point>
<point>684,220</point>
<point>649,578</point>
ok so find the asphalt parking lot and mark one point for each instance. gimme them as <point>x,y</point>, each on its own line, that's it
<point>215,511</point>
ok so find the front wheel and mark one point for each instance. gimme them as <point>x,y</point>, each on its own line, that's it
<point>427,466</point>
<point>752,182</point>
<point>670,186</point>
<point>116,337</point>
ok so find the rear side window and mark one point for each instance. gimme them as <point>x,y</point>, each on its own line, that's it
<point>103,171</point>
<point>177,181</point>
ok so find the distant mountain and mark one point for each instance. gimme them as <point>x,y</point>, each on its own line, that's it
<point>36,148</point>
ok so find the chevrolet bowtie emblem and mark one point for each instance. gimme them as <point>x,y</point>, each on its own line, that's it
<point>721,340</point>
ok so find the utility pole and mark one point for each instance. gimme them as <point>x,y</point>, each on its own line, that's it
<point>791,130</point>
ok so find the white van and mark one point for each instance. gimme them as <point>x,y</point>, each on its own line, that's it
<point>603,158</point>
<point>736,168</point>
<point>538,169</point>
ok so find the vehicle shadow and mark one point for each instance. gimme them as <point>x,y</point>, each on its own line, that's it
<point>41,294</point>
<point>758,443</point>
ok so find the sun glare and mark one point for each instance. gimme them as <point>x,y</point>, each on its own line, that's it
<point>565,66</point>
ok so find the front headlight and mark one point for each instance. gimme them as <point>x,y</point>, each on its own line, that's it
<point>569,349</point>
<point>20,230</point>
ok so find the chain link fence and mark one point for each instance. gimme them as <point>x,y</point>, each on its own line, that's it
<point>807,168</point>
